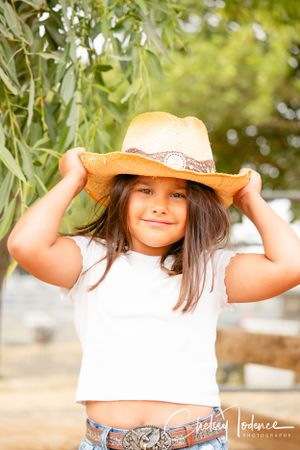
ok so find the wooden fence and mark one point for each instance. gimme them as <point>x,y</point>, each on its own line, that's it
<point>241,347</point>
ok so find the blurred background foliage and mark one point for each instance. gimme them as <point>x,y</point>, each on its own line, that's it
<point>239,72</point>
<point>74,73</point>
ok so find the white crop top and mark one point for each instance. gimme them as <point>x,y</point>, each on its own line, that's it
<point>134,347</point>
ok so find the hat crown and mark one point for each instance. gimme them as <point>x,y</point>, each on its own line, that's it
<point>155,132</point>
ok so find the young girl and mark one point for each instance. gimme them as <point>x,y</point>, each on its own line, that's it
<point>148,281</point>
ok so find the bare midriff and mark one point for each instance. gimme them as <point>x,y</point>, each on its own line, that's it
<point>132,413</point>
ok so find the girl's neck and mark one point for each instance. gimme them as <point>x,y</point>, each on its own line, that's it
<point>143,255</point>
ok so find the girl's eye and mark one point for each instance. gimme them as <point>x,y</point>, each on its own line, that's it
<point>174,194</point>
<point>179,195</point>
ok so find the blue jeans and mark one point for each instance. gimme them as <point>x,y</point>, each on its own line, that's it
<point>219,443</point>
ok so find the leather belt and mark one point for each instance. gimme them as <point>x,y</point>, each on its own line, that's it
<point>147,437</point>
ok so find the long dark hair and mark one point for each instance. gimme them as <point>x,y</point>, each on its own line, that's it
<point>208,228</point>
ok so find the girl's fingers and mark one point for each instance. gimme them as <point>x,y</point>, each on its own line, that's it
<point>70,162</point>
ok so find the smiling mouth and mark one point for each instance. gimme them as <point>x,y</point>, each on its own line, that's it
<point>158,222</point>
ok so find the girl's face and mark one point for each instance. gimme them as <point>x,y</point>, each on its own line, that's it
<point>157,214</point>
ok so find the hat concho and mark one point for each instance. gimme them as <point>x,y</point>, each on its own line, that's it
<point>175,161</point>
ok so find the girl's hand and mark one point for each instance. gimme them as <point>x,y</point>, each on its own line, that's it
<point>254,185</point>
<point>70,164</point>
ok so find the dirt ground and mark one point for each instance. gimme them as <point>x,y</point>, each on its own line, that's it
<point>37,399</point>
<point>37,391</point>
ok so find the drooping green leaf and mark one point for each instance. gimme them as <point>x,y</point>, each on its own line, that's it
<point>154,64</point>
<point>72,119</point>
<point>133,89</point>
<point>5,32</point>
<point>28,35</point>
<point>7,61</point>
<point>12,19</point>
<point>41,141</point>
<point>68,86</point>
<point>41,184</point>
<point>27,161</point>
<point>58,38</point>
<point>36,4</point>
<point>9,161</point>
<point>30,102</point>
<point>57,56</point>
<point>8,82</point>
<point>2,136</point>
<point>50,120</point>
<point>154,37</point>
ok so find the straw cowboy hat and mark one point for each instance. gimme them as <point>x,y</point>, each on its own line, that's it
<point>160,144</point>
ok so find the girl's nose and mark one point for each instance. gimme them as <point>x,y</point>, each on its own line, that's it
<point>159,204</point>
<point>160,209</point>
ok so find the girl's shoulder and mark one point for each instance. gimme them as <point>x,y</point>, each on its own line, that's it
<point>219,255</point>
<point>93,251</point>
<point>220,259</point>
<point>92,248</point>
<point>223,252</point>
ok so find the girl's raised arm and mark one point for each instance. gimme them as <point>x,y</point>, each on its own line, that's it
<point>252,277</point>
<point>34,241</point>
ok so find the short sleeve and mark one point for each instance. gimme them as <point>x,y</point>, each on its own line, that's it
<point>221,259</point>
<point>86,248</point>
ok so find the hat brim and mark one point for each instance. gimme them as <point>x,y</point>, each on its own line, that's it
<point>102,168</point>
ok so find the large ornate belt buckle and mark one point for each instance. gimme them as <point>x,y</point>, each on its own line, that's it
<point>147,437</point>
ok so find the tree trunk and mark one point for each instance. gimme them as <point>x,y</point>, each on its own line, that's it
<point>4,262</point>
